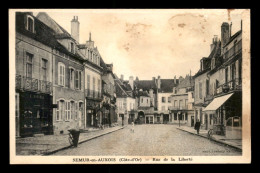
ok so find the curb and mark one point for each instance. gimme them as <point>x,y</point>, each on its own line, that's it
<point>218,141</point>
<point>80,142</point>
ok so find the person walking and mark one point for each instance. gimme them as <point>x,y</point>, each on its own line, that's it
<point>133,127</point>
<point>197,126</point>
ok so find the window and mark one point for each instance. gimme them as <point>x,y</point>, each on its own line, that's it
<point>30,24</point>
<point>78,78</point>
<point>175,116</point>
<point>180,104</point>
<point>186,102</point>
<point>99,86</point>
<point>213,63</point>
<point>60,110</point>
<point>72,76</point>
<point>29,64</point>
<point>233,71</point>
<point>200,90</point>
<point>186,116</point>
<point>226,75</point>
<point>147,100</point>
<point>169,99</point>
<point>94,83</point>
<point>175,103</point>
<point>88,81</point>
<point>207,87</point>
<point>163,99</point>
<point>163,108</point>
<point>44,69</point>
<point>61,74</point>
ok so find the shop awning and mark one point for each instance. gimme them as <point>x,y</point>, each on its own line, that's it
<point>217,102</point>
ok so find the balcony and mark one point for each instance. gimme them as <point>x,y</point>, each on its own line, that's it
<point>93,94</point>
<point>176,108</point>
<point>233,85</point>
<point>236,49</point>
<point>31,84</point>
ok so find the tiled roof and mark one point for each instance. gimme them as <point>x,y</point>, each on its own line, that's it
<point>186,82</point>
<point>167,85</point>
<point>143,93</point>
<point>120,92</point>
<point>43,34</point>
<point>215,53</point>
<point>145,85</point>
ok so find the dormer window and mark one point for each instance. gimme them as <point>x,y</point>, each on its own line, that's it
<point>30,24</point>
<point>72,48</point>
<point>212,63</point>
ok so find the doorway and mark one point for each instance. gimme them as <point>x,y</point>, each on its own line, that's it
<point>192,121</point>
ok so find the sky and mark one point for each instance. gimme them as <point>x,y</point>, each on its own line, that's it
<point>150,43</point>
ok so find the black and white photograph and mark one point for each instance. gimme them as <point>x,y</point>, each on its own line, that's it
<point>129,86</point>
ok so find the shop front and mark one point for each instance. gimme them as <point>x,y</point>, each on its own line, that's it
<point>93,113</point>
<point>224,114</point>
<point>35,114</point>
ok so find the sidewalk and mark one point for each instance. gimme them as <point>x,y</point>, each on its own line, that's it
<point>235,143</point>
<point>48,144</point>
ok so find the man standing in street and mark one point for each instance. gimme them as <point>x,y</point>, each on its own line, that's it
<point>197,126</point>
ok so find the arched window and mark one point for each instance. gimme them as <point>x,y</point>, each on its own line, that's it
<point>30,24</point>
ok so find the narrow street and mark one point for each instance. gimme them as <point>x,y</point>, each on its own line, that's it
<point>153,140</point>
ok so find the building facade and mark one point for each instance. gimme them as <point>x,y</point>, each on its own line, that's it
<point>226,86</point>
<point>33,84</point>
<point>182,102</point>
<point>125,104</point>
<point>68,77</point>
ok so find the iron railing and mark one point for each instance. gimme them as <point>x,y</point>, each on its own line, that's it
<point>178,107</point>
<point>235,84</point>
<point>32,84</point>
<point>92,93</point>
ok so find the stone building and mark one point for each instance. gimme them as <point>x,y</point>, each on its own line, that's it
<point>165,90</point>
<point>125,102</point>
<point>68,78</point>
<point>93,82</point>
<point>109,94</point>
<point>34,45</point>
<point>146,94</point>
<point>225,75</point>
<point>182,102</point>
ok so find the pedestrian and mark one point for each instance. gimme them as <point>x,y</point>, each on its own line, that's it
<point>197,126</point>
<point>133,127</point>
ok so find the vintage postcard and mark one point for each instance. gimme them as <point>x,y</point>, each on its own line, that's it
<point>129,86</point>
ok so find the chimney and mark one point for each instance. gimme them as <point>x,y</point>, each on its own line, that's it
<point>224,33</point>
<point>75,28</point>
<point>122,77</point>
<point>131,82</point>
<point>175,79</point>
<point>214,42</point>
<point>159,82</point>
<point>90,43</point>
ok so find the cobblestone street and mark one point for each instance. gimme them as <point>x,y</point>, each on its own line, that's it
<point>150,140</point>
